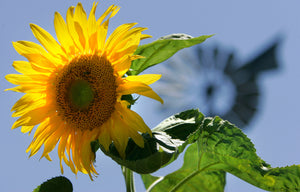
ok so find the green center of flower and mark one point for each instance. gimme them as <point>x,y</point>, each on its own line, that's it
<point>81,94</point>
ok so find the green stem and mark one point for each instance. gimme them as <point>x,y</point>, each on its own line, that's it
<point>128,176</point>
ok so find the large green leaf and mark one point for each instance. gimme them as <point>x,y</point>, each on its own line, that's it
<point>162,49</point>
<point>190,177</point>
<point>224,147</point>
<point>169,139</point>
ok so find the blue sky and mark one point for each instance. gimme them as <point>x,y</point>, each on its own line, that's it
<point>244,27</point>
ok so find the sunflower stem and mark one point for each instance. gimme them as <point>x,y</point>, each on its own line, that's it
<point>128,176</point>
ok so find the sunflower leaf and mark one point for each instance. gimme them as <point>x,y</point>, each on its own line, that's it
<point>56,184</point>
<point>222,147</point>
<point>188,178</point>
<point>162,49</point>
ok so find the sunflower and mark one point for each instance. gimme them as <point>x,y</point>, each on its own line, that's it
<point>74,86</point>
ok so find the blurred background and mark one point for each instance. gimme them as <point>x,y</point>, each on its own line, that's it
<point>250,67</point>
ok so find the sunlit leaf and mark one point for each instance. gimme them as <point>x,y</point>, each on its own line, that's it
<point>190,177</point>
<point>223,147</point>
<point>162,49</point>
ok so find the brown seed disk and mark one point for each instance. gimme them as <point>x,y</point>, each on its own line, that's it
<point>98,72</point>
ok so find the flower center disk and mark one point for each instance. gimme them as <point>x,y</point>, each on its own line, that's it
<point>86,92</point>
<point>81,94</point>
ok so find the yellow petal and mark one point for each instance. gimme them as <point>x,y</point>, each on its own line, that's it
<point>44,131</point>
<point>80,22</point>
<point>92,26</point>
<point>137,138</point>
<point>131,87</point>
<point>132,132</point>
<point>48,157</point>
<point>42,69</point>
<point>130,126</point>
<point>138,85</point>
<point>92,29</point>
<point>51,142</point>
<point>75,148</point>
<point>133,119</point>
<point>151,94</point>
<point>104,136</point>
<point>18,79</point>
<point>80,32</point>
<point>112,10</point>
<point>62,33</point>
<point>145,36</point>
<point>103,26</point>
<point>27,47</point>
<point>80,16</point>
<point>118,35</point>
<point>47,40</point>
<point>72,30</point>
<point>101,36</point>
<point>33,117</point>
<point>29,88</point>
<point>134,31</point>
<point>41,61</point>
<point>24,67</point>
<point>146,78</point>
<point>125,44</point>
<point>129,41</point>
<point>61,150</point>
<point>25,129</point>
<point>122,66</point>
<point>119,135</point>
<point>86,154</point>
<point>26,107</point>
<point>35,53</point>
<point>38,141</point>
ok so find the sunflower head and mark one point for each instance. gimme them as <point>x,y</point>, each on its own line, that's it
<point>74,87</point>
